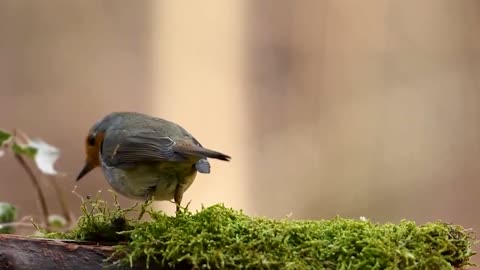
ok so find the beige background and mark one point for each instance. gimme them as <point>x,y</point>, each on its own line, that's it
<point>327,107</point>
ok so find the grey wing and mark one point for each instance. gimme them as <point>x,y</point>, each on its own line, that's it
<point>121,149</point>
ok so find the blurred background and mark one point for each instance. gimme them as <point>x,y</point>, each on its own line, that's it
<point>350,108</point>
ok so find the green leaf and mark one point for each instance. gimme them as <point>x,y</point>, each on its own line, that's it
<point>8,213</point>
<point>44,154</point>
<point>22,149</point>
<point>57,221</point>
<point>38,233</point>
<point>4,137</point>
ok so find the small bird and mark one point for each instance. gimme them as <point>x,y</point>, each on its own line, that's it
<point>144,157</point>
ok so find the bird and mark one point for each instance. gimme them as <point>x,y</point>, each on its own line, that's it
<point>145,157</point>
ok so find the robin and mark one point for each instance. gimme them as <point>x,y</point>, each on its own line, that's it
<point>146,158</point>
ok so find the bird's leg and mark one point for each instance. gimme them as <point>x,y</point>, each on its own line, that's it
<point>142,212</point>
<point>178,197</point>
<point>148,199</point>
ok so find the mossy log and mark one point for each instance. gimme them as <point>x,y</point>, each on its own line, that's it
<point>25,253</point>
<point>217,237</point>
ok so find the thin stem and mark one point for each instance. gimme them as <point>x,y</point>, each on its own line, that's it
<point>60,196</point>
<point>61,200</point>
<point>15,224</point>
<point>36,184</point>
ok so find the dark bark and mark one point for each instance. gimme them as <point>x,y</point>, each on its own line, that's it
<point>17,252</point>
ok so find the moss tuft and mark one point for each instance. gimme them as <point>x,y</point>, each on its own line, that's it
<point>217,237</point>
<point>98,222</point>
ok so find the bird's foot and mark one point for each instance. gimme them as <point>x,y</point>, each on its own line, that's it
<point>178,198</point>
<point>143,207</point>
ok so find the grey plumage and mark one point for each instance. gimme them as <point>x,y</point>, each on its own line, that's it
<point>144,156</point>
<point>133,138</point>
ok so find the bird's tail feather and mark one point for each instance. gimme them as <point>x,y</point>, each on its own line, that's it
<point>201,152</point>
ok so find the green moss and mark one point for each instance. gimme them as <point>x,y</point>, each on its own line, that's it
<point>99,222</point>
<point>221,238</point>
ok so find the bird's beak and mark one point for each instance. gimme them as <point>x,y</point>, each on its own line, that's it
<point>86,169</point>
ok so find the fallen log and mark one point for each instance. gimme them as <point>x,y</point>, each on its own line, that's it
<point>26,253</point>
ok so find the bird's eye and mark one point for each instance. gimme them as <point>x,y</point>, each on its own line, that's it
<point>91,140</point>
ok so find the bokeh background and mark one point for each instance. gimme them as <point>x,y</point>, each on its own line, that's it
<point>351,108</point>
